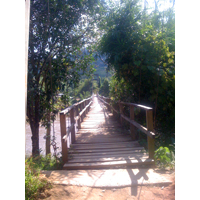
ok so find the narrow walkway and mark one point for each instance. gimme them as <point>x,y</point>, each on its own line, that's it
<point>102,143</point>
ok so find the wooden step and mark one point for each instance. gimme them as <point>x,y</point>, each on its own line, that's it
<point>104,146</point>
<point>101,140</point>
<point>146,162</point>
<point>109,159</point>
<point>108,154</point>
<point>105,143</point>
<point>138,156</point>
<point>104,150</point>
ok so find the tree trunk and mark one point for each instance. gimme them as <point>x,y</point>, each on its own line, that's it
<point>35,138</point>
<point>33,115</point>
<point>48,136</point>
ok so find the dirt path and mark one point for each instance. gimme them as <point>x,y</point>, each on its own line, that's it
<point>145,192</point>
<point>150,192</point>
<point>62,192</point>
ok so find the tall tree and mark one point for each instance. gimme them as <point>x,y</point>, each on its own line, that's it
<point>141,51</point>
<point>58,31</point>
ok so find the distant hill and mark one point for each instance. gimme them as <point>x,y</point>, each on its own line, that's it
<point>101,68</point>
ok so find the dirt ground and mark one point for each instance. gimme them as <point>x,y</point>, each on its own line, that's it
<point>158,192</point>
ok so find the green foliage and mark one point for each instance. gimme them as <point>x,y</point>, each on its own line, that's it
<point>164,157</point>
<point>104,89</point>
<point>58,33</point>
<point>140,48</point>
<point>34,185</point>
<point>44,163</point>
<point>84,89</point>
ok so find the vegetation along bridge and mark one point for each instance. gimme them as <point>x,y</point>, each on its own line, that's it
<point>96,139</point>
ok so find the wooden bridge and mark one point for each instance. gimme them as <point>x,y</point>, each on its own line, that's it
<point>96,140</point>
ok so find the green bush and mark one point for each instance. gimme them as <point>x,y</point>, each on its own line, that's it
<point>164,157</point>
<point>33,165</point>
<point>44,163</point>
<point>33,184</point>
<point>104,89</point>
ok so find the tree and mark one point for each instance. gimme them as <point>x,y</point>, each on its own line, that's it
<point>104,89</point>
<point>58,32</point>
<point>140,49</point>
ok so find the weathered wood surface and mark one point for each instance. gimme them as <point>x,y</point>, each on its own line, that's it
<point>103,143</point>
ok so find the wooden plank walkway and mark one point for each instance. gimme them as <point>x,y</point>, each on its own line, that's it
<point>103,143</point>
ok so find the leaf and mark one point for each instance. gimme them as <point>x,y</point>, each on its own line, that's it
<point>137,63</point>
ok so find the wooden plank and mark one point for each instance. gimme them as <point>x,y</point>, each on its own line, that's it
<point>106,143</point>
<point>151,141</point>
<point>114,136</point>
<point>137,105</point>
<point>106,122</point>
<point>121,131</point>
<point>105,147</point>
<point>127,152</point>
<point>103,140</point>
<point>109,155</point>
<point>66,110</point>
<point>99,126</point>
<point>108,164</point>
<point>106,159</point>
<point>63,141</point>
<point>100,141</point>
<point>132,127</point>
<point>104,150</point>
<point>73,136</point>
<point>142,128</point>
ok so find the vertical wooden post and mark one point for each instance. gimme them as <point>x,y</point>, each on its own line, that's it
<point>79,120</point>
<point>73,125</point>
<point>114,113</point>
<point>86,103</point>
<point>132,127</point>
<point>63,141</point>
<point>108,101</point>
<point>83,108</point>
<point>48,135</point>
<point>151,141</point>
<point>121,112</point>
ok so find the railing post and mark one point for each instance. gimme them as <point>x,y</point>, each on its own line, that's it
<point>84,114</point>
<point>108,101</point>
<point>114,113</point>
<point>86,103</point>
<point>132,127</point>
<point>151,141</point>
<point>77,113</point>
<point>121,112</point>
<point>73,125</point>
<point>81,108</point>
<point>63,141</point>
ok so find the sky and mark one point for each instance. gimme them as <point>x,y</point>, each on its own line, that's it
<point>163,4</point>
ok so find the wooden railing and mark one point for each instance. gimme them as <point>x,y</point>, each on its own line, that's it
<point>76,113</point>
<point>131,119</point>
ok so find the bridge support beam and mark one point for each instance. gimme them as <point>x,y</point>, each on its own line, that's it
<point>151,141</point>
<point>72,125</point>
<point>121,110</point>
<point>132,127</point>
<point>63,140</point>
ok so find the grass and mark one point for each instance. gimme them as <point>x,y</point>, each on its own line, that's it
<point>34,185</point>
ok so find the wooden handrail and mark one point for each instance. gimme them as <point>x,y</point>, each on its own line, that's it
<point>77,112</point>
<point>136,105</point>
<point>133,124</point>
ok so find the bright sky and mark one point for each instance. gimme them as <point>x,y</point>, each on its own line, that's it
<point>162,4</point>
